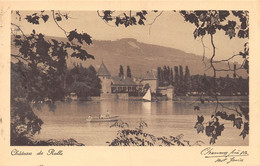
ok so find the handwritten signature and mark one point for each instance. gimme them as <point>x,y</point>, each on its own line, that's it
<point>234,155</point>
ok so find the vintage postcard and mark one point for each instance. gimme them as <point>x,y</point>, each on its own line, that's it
<point>129,83</point>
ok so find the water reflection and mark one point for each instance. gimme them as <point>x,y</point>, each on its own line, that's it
<point>163,118</point>
<point>147,108</point>
<point>105,107</point>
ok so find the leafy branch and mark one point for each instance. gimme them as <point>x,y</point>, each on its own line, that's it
<point>138,137</point>
<point>58,19</point>
<point>41,65</point>
<point>206,23</point>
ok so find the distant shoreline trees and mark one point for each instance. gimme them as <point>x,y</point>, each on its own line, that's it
<point>165,76</point>
<point>121,72</point>
<point>128,72</point>
<point>195,84</point>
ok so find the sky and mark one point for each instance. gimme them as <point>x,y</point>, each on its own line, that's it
<point>169,29</point>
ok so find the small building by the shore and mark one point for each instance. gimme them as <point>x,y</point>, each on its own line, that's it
<point>167,91</point>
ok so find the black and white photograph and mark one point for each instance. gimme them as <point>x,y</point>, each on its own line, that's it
<point>130,78</point>
<point>133,83</point>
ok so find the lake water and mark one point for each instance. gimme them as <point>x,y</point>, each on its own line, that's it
<point>164,118</point>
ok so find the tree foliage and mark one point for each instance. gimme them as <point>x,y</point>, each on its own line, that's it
<point>24,123</point>
<point>38,71</point>
<point>165,76</point>
<point>208,22</point>
<point>121,71</point>
<point>138,137</point>
<point>187,80</point>
<point>128,72</point>
<point>214,129</point>
<point>83,81</point>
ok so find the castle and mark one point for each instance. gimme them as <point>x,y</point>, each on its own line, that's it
<point>123,87</point>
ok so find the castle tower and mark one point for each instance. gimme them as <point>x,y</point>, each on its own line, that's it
<point>151,79</point>
<point>105,78</point>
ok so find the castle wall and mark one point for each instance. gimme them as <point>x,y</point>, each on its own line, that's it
<point>170,92</point>
<point>152,83</point>
<point>106,85</point>
<point>114,96</point>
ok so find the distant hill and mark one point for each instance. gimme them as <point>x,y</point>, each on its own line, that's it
<point>141,57</point>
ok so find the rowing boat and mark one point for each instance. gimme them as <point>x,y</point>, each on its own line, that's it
<point>104,119</point>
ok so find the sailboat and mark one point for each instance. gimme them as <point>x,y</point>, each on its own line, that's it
<point>148,96</point>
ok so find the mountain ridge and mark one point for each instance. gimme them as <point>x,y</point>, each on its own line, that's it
<point>141,57</point>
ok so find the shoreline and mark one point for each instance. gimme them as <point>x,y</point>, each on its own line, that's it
<point>180,98</point>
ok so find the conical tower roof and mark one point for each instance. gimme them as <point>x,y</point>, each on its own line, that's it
<point>149,76</point>
<point>102,71</point>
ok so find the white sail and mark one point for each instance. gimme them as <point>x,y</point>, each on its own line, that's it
<point>148,95</point>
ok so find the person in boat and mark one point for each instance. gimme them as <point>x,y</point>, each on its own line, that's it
<point>100,116</point>
<point>107,115</point>
<point>89,117</point>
